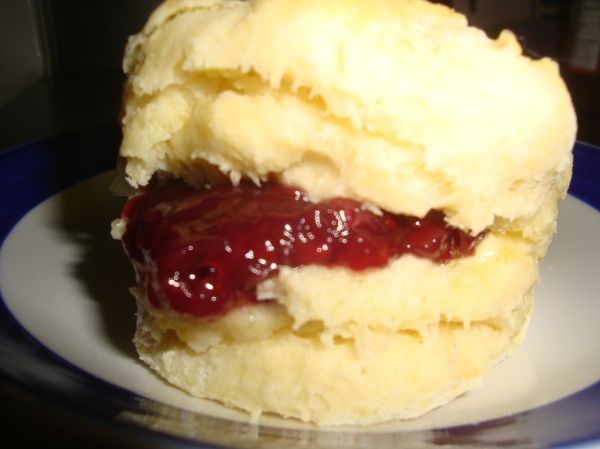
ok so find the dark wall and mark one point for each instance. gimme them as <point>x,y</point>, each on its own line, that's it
<point>84,35</point>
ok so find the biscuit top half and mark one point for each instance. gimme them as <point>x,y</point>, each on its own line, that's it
<point>396,103</point>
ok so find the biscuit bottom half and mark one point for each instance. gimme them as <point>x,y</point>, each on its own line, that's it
<point>332,346</point>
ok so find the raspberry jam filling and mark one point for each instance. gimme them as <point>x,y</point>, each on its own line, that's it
<point>203,252</point>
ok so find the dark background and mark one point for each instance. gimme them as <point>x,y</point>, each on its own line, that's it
<point>80,46</point>
<point>62,72</point>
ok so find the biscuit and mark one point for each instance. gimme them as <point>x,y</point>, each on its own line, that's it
<point>348,348</point>
<point>396,104</point>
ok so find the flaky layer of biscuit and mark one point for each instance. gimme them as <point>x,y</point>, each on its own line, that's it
<point>395,103</point>
<point>339,347</point>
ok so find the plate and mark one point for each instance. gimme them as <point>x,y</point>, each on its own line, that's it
<point>67,321</point>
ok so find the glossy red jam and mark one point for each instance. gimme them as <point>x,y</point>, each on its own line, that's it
<point>203,252</point>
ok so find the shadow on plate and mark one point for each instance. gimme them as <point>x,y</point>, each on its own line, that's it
<point>84,217</point>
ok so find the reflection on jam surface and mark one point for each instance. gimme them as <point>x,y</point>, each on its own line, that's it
<point>203,252</point>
